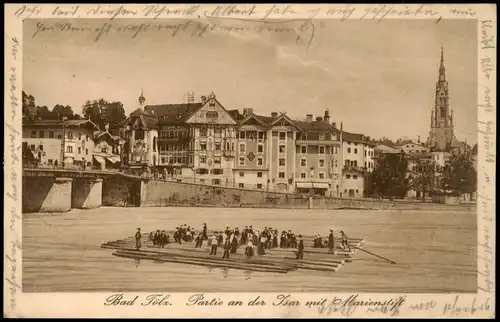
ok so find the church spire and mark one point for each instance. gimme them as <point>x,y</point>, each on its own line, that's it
<point>142,99</point>
<point>442,71</point>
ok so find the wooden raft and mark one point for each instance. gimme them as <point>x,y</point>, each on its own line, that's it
<point>276,260</point>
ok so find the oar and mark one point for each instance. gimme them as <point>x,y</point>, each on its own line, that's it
<point>392,262</point>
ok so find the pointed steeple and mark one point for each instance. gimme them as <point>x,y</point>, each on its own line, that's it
<point>142,99</point>
<point>442,71</point>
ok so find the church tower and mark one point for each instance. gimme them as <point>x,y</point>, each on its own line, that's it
<point>441,136</point>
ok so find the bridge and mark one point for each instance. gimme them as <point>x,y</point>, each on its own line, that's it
<point>57,189</point>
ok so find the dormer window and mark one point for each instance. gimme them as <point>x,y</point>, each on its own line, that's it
<point>211,104</point>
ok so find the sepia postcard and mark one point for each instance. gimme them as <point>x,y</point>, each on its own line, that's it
<point>250,160</point>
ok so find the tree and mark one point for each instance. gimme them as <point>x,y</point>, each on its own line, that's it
<point>60,111</point>
<point>102,112</point>
<point>423,177</point>
<point>43,113</point>
<point>389,178</point>
<point>29,107</point>
<point>459,175</point>
<point>27,154</point>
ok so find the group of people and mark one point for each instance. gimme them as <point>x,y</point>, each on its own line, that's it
<point>230,239</point>
<point>318,241</point>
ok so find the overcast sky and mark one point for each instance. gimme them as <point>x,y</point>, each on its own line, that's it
<point>378,79</point>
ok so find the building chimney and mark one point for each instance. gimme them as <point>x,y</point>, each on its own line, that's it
<point>203,99</point>
<point>274,114</point>
<point>247,111</point>
<point>309,118</point>
<point>319,119</point>
<point>334,124</point>
<point>327,116</point>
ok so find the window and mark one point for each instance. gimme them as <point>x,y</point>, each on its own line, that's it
<point>51,134</point>
<point>355,143</point>
<point>303,162</point>
<point>242,134</point>
<point>259,185</point>
<point>303,175</point>
<point>321,175</point>
<point>261,135</point>
<point>355,151</point>
<point>260,161</point>
<point>42,134</point>
<point>79,136</point>
<point>321,150</point>
<point>303,149</point>
<point>242,173</point>
<point>281,175</point>
<point>365,153</point>
<point>203,146</point>
<point>242,148</point>
<point>104,150</point>
<point>348,176</point>
<point>355,177</point>
<point>69,149</point>
<point>217,146</point>
<point>32,147</point>
<point>321,163</point>
<point>260,148</point>
<point>49,161</point>
<point>87,151</point>
<point>241,185</point>
<point>282,148</point>
<point>33,134</point>
<point>202,180</point>
<point>365,164</point>
<point>282,135</point>
<point>212,115</point>
<point>203,160</point>
<point>217,171</point>
<point>217,160</point>
<point>282,162</point>
<point>348,150</point>
<point>203,132</point>
<point>259,174</point>
<point>79,150</point>
<point>211,104</point>
<point>242,161</point>
<point>216,182</point>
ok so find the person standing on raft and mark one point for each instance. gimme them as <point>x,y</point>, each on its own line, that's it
<point>227,248</point>
<point>300,253</point>
<point>138,239</point>
<point>213,251</point>
<point>249,250</point>
<point>204,233</point>
<point>344,241</point>
<point>331,242</point>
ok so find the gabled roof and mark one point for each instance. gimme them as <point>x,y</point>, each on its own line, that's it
<point>173,113</point>
<point>148,118</point>
<point>255,117</point>
<point>356,137</point>
<point>317,126</point>
<point>385,149</point>
<point>106,133</point>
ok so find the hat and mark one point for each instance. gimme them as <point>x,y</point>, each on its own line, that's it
<point>139,228</point>
<point>300,236</point>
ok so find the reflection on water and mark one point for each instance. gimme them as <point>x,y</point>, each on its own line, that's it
<point>434,251</point>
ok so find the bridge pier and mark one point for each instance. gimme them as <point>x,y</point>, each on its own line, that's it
<point>86,193</point>
<point>45,194</point>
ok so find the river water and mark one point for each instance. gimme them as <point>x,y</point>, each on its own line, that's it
<point>434,251</point>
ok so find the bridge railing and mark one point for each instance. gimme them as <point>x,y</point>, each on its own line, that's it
<point>67,167</point>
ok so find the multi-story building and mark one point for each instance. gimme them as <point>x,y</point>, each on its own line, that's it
<point>318,157</point>
<point>189,142</point>
<point>140,151</point>
<point>67,143</point>
<point>252,164</point>
<point>107,150</point>
<point>358,157</point>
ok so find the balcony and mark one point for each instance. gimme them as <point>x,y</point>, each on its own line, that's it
<point>352,168</point>
<point>317,142</point>
<point>174,139</point>
<point>229,154</point>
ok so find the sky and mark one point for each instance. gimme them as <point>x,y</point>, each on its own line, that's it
<point>376,78</point>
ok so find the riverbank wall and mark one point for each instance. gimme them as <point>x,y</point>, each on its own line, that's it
<point>157,193</point>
